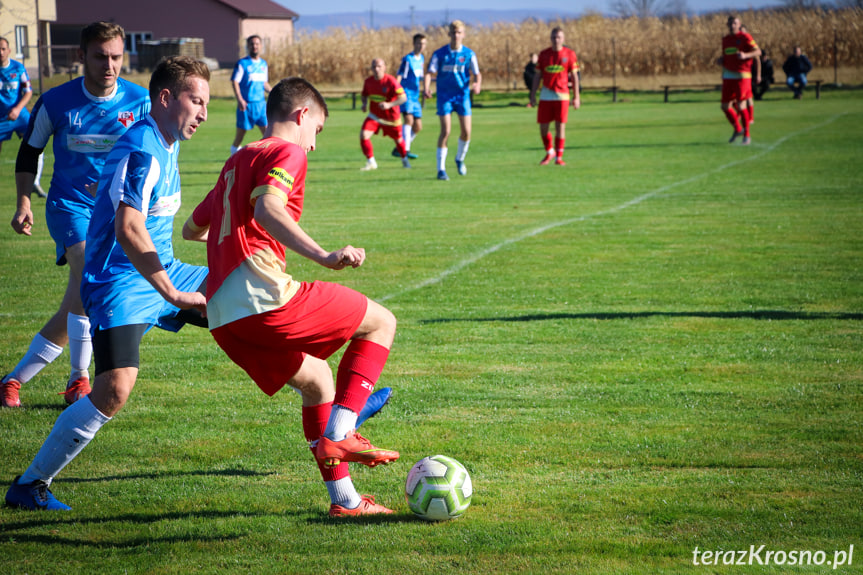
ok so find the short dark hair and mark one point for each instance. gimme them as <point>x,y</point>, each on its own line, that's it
<point>252,37</point>
<point>3,39</point>
<point>290,94</point>
<point>419,36</point>
<point>555,30</point>
<point>174,74</point>
<point>101,32</point>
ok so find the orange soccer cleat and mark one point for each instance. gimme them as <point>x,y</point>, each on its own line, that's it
<point>354,448</point>
<point>367,506</point>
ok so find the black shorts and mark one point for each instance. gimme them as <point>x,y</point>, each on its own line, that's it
<point>118,347</point>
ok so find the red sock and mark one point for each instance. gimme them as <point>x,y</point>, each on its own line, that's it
<point>751,109</point>
<point>559,144</point>
<point>367,148</point>
<point>746,113</point>
<point>359,370</point>
<point>400,146</point>
<point>314,423</point>
<point>732,117</point>
<point>546,141</point>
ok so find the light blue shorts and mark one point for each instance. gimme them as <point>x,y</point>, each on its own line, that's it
<point>130,299</point>
<point>255,114</point>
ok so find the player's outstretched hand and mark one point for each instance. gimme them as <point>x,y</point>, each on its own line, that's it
<point>22,222</point>
<point>191,300</point>
<point>347,256</point>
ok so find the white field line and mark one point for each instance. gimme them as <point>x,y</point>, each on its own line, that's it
<point>633,202</point>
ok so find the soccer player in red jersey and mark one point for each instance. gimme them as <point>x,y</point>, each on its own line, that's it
<point>557,66</point>
<point>281,330</point>
<point>386,95</point>
<point>738,51</point>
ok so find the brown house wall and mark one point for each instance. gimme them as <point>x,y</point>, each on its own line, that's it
<point>217,24</point>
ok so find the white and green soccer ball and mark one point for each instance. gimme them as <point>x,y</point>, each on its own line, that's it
<point>438,488</point>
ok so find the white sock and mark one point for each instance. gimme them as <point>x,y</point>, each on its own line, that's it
<point>462,150</point>
<point>341,421</point>
<point>413,137</point>
<point>80,346</point>
<point>234,150</point>
<point>406,134</point>
<point>342,492</point>
<point>39,165</point>
<point>41,352</point>
<point>441,159</point>
<point>72,431</point>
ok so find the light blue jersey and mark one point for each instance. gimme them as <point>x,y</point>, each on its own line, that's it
<point>453,69</point>
<point>251,75</point>
<point>410,73</point>
<point>14,83</point>
<point>141,172</point>
<point>84,128</point>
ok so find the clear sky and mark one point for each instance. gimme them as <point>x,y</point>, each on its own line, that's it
<point>566,6</point>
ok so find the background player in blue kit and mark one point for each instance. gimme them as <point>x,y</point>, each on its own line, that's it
<point>131,279</point>
<point>15,93</point>
<point>411,74</point>
<point>251,83</point>
<point>453,65</point>
<point>85,116</point>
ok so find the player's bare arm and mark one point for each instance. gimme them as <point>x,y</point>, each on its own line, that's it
<point>195,233</point>
<point>130,228</point>
<point>241,103</point>
<point>22,220</point>
<point>576,98</point>
<point>15,111</point>
<point>270,213</point>
<point>427,80</point>
<point>477,86</point>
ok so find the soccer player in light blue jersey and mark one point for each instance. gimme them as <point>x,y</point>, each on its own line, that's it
<point>411,75</point>
<point>131,279</point>
<point>85,116</point>
<point>251,84</point>
<point>15,94</point>
<point>453,65</point>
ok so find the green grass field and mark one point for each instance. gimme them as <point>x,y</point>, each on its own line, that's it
<point>656,348</point>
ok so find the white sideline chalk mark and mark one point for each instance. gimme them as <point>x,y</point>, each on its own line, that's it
<point>633,202</point>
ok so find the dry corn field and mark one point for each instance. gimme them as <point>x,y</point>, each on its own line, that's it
<point>633,49</point>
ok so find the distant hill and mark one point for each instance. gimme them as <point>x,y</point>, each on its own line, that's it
<point>422,18</point>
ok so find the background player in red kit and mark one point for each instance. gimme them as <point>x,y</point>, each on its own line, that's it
<point>738,51</point>
<point>386,95</point>
<point>278,329</point>
<point>556,66</point>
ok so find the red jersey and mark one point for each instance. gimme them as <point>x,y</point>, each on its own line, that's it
<point>556,68</point>
<point>733,68</point>
<point>247,264</point>
<point>387,89</point>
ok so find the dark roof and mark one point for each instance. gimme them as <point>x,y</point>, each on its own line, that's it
<point>260,9</point>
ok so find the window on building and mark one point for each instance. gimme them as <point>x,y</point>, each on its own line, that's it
<point>133,40</point>
<point>22,47</point>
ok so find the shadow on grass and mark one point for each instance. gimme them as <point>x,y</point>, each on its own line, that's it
<point>169,474</point>
<point>769,315</point>
<point>49,518</point>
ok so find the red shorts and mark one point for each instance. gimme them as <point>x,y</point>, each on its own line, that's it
<point>736,90</point>
<point>550,111</point>
<point>270,346</point>
<point>375,127</point>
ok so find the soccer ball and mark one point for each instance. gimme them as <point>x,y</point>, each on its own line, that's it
<point>438,488</point>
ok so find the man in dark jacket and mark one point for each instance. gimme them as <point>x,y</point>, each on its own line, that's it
<point>796,67</point>
<point>767,77</point>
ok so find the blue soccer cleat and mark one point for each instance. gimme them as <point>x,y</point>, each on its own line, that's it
<point>33,496</point>
<point>441,175</point>
<point>374,404</point>
<point>462,169</point>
